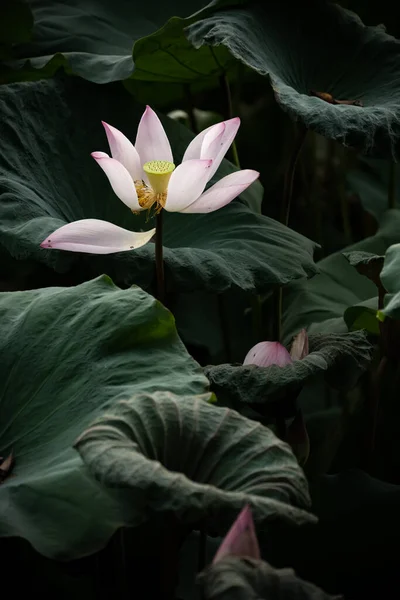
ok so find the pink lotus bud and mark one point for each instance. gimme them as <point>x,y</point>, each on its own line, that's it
<point>241,539</point>
<point>299,347</point>
<point>266,354</point>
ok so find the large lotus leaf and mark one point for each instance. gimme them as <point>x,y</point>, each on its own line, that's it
<point>371,181</point>
<point>390,277</point>
<point>104,42</point>
<point>318,47</point>
<point>66,355</point>
<point>342,356</point>
<point>49,178</point>
<point>201,462</point>
<point>235,578</point>
<point>319,304</point>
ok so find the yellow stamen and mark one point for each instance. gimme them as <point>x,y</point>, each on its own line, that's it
<point>159,173</point>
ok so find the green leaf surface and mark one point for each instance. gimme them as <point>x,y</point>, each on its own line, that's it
<point>320,47</point>
<point>48,178</point>
<point>390,277</point>
<point>235,578</point>
<point>363,316</point>
<point>342,356</point>
<point>105,42</point>
<point>67,355</point>
<point>183,455</point>
<point>319,304</point>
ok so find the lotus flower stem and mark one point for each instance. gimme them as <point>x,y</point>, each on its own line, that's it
<point>290,171</point>
<point>224,82</point>
<point>190,108</point>
<point>202,554</point>
<point>392,185</point>
<point>160,258</point>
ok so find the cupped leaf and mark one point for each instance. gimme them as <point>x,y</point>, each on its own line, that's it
<point>297,46</point>
<point>234,578</point>
<point>319,304</point>
<point>182,455</point>
<point>49,179</point>
<point>390,277</point>
<point>67,355</point>
<point>341,356</point>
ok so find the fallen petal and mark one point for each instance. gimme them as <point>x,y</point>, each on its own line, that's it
<point>123,151</point>
<point>241,539</point>
<point>265,354</point>
<point>120,180</point>
<point>299,347</point>
<point>151,140</point>
<point>223,192</point>
<point>96,237</point>
<point>186,184</point>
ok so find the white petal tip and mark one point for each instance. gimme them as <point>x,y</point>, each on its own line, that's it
<point>98,155</point>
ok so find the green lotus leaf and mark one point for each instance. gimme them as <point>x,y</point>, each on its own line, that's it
<point>390,277</point>
<point>319,304</point>
<point>68,354</point>
<point>105,42</point>
<point>48,178</point>
<point>235,578</point>
<point>318,48</point>
<point>363,316</point>
<point>342,357</point>
<point>182,455</point>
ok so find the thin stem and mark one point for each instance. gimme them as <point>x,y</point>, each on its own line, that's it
<point>374,405</point>
<point>160,258</point>
<point>277,312</point>
<point>190,108</point>
<point>201,560</point>
<point>224,327</point>
<point>224,82</point>
<point>392,186</point>
<point>289,174</point>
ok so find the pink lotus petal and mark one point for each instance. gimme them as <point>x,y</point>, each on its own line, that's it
<point>265,354</point>
<point>241,539</point>
<point>231,129</point>
<point>299,347</point>
<point>96,237</point>
<point>186,184</point>
<point>120,180</point>
<point>212,141</point>
<point>194,149</point>
<point>223,192</point>
<point>151,140</point>
<point>123,151</point>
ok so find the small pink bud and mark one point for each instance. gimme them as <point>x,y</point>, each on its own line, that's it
<point>266,354</point>
<point>299,347</point>
<point>241,539</point>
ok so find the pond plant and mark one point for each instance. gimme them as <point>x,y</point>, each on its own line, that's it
<point>199,390</point>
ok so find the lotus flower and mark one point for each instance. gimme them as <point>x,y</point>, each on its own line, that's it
<point>241,539</point>
<point>144,176</point>
<point>265,354</point>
